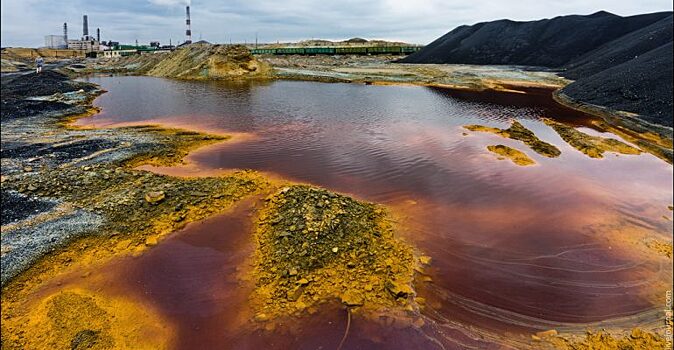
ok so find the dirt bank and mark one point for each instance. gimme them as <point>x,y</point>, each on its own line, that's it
<point>195,61</point>
<point>16,59</point>
<point>382,70</point>
<point>48,165</point>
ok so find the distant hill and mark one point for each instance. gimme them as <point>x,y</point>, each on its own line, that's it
<point>624,63</point>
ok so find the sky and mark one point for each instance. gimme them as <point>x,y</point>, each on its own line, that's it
<point>26,22</point>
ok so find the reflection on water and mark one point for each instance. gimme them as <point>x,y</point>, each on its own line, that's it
<point>514,248</point>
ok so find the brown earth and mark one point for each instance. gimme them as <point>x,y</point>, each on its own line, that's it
<point>514,155</point>
<point>314,246</point>
<point>518,132</point>
<point>195,61</point>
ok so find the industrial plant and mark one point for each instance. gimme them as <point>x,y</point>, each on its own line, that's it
<point>93,46</point>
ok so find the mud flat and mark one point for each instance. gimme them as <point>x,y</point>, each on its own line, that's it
<point>383,70</point>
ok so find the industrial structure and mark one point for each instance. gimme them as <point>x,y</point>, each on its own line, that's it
<point>55,42</point>
<point>92,45</point>
<point>85,43</point>
<point>188,30</point>
<point>85,27</point>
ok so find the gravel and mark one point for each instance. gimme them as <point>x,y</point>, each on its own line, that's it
<point>17,206</point>
<point>24,245</point>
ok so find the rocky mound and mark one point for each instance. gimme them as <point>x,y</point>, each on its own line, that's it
<point>203,61</point>
<point>19,92</point>
<point>315,245</point>
<point>195,61</point>
<point>624,63</point>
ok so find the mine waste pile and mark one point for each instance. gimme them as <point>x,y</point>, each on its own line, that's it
<point>624,63</point>
<point>194,61</point>
<point>315,246</point>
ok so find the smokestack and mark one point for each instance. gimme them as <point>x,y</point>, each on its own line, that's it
<point>98,34</point>
<point>65,33</point>
<point>85,27</point>
<point>188,31</point>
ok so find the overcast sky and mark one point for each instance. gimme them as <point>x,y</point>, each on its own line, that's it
<point>26,22</point>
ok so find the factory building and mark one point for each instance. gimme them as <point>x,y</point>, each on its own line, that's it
<point>188,29</point>
<point>83,45</point>
<point>87,43</point>
<point>55,42</point>
<point>94,47</point>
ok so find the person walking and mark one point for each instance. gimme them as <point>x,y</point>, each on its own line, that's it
<point>39,62</point>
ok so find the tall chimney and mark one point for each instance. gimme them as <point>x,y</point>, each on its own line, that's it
<point>98,34</point>
<point>85,27</point>
<point>188,31</point>
<point>65,33</point>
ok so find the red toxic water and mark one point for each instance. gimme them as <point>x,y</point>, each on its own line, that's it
<point>514,249</point>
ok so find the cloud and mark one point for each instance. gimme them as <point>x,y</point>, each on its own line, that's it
<point>170,3</point>
<point>25,22</point>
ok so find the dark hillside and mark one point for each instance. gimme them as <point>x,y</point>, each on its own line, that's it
<point>623,63</point>
<point>621,50</point>
<point>548,42</point>
<point>642,85</point>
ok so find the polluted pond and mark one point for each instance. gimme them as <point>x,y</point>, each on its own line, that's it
<point>342,222</point>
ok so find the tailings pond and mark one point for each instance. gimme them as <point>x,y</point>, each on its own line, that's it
<point>566,243</point>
